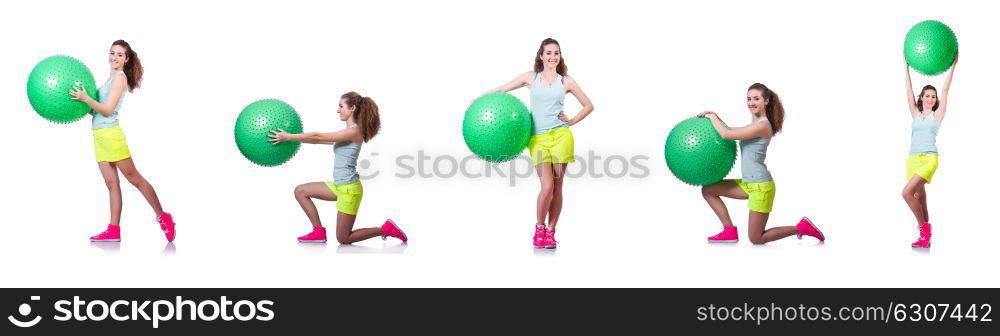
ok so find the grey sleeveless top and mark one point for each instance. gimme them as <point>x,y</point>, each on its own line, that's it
<point>345,161</point>
<point>752,155</point>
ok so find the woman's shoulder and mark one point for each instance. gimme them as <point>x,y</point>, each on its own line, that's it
<point>567,80</point>
<point>119,77</point>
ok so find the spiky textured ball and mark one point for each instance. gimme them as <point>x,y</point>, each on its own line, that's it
<point>49,84</point>
<point>930,47</point>
<point>254,125</point>
<point>497,127</point>
<point>696,153</point>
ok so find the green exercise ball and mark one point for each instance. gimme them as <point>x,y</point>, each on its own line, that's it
<point>930,47</point>
<point>49,84</point>
<point>254,125</point>
<point>497,127</point>
<point>696,153</point>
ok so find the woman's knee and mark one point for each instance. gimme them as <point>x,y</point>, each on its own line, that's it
<point>111,183</point>
<point>706,192</point>
<point>134,178</point>
<point>547,188</point>
<point>757,239</point>
<point>301,191</point>
<point>557,190</point>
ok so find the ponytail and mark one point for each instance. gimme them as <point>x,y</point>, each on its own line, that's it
<point>133,67</point>
<point>365,114</point>
<point>775,110</point>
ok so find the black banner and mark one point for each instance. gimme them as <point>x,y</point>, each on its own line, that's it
<point>505,311</point>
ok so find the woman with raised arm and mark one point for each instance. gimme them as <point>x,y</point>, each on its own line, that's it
<point>927,112</point>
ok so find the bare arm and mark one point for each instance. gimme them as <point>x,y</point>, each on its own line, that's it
<point>520,81</point>
<point>939,114</point>
<point>344,135</point>
<point>118,86</point>
<point>573,87</point>
<point>751,131</point>
<point>910,98</point>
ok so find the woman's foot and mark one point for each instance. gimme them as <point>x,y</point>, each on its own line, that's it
<point>549,239</point>
<point>806,228</point>
<point>728,235</point>
<point>166,222</point>
<point>925,236</point>
<point>539,240</point>
<point>111,234</point>
<point>318,235</point>
<point>390,229</point>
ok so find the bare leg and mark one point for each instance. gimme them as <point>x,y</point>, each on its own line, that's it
<point>304,193</point>
<point>132,175</point>
<point>921,195</point>
<point>345,223</point>
<point>758,235</point>
<point>555,207</point>
<point>910,191</point>
<point>727,188</point>
<point>110,174</point>
<point>544,202</point>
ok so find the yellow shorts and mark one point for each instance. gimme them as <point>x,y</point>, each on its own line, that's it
<point>760,195</point>
<point>921,164</point>
<point>109,144</point>
<point>348,196</point>
<point>555,146</point>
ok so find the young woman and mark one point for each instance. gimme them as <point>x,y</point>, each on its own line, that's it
<point>360,114</point>
<point>109,141</point>
<point>757,186</point>
<point>927,112</point>
<point>551,146</point>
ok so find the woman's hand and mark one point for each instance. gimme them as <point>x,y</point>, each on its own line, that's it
<point>706,114</point>
<point>279,136</point>
<point>565,119</point>
<point>79,93</point>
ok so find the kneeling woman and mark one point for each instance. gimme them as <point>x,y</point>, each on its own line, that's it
<point>362,120</point>
<point>757,186</point>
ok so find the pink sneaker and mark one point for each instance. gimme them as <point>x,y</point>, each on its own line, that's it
<point>539,240</point>
<point>806,228</point>
<point>112,234</point>
<point>728,235</point>
<point>390,229</point>
<point>318,235</point>
<point>549,239</point>
<point>925,236</point>
<point>166,222</point>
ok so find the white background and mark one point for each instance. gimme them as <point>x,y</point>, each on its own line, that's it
<point>646,66</point>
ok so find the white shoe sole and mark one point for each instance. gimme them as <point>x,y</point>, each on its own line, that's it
<point>723,241</point>
<point>312,241</point>
<point>106,240</point>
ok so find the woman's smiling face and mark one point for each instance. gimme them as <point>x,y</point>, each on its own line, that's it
<point>117,57</point>
<point>756,102</point>
<point>551,56</point>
